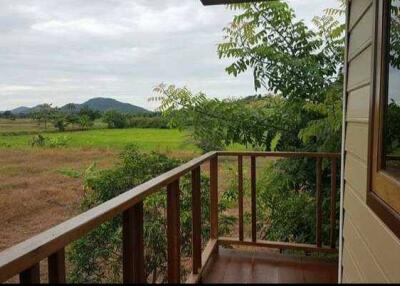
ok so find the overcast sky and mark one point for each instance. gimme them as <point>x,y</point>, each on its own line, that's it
<point>61,51</point>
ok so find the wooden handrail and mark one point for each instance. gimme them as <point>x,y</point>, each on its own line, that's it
<point>279,154</point>
<point>319,157</point>
<point>24,258</point>
<point>26,254</point>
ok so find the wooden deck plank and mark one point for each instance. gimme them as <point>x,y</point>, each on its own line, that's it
<point>249,266</point>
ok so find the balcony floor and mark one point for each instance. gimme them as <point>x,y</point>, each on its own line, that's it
<point>260,266</point>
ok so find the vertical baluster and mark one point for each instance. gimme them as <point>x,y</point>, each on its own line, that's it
<point>133,246</point>
<point>318,200</point>
<point>240,187</point>
<point>173,232</point>
<point>196,221</point>
<point>333,203</point>
<point>214,197</point>
<point>30,275</point>
<point>253,200</point>
<point>56,264</point>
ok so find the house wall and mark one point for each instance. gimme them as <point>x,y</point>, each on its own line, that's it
<point>370,251</point>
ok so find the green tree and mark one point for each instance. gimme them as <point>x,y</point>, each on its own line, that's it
<point>115,119</point>
<point>301,68</point>
<point>8,115</point>
<point>43,113</point>
<point>71,107</point>
<point>98,256</point>
<point>84,121</point>
<point>92,114</point>
<point>60,121</point>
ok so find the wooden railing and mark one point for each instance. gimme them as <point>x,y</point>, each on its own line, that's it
<point>317,247</point>
<point>24,259</point>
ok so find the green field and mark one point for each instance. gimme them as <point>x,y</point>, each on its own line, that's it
<point>147,139</point>
<point>161,140</point>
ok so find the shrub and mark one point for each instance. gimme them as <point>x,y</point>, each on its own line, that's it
<point>97,257</point>
<point>38,140</point>
<point>60,122</point>
<point>286,201</point>
<point>115,119</point>
<point>51,142</point>
<point>147,122</point>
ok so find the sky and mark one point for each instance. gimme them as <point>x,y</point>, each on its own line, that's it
<point>62,51</point>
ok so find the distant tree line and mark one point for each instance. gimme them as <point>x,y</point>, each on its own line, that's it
<point>85,117</point>
<point>8,115</point>
<point>116,119</point>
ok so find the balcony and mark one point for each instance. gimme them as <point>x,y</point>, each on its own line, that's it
<point>222,260</point>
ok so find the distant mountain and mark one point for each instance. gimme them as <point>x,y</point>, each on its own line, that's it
<point>99,103</point>
<point>103,104</point>
<point>21,110</point>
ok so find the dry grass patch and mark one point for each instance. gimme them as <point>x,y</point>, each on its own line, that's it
<point>35,195</point>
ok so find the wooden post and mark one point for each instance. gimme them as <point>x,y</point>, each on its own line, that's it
<point>240,189</point>
<point>196,221</point>
<point>318,200</point>
<point>56,265</point>
<point>133,246</point>
<point>173,232</point>
<point>30,275</point>
<point>253,200</point>
<point>333,203</point>
<point>214,197</point>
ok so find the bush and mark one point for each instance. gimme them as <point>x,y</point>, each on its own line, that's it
<point>147,122</point>
<point>51,142</point>
<point>286,201</point>
<point>97,257</point>
<point>115,119</point>
<point>38,140</point>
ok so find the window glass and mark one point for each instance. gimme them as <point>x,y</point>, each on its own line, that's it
<point>391,160</point>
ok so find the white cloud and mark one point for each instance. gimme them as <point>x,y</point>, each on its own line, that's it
<point>85,25</point>
<point>4,88</point>
<point>70,50</point>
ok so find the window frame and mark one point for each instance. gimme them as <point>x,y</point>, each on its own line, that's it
<point>379,178</point>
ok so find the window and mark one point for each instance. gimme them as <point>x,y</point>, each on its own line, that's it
<point>384,190</point>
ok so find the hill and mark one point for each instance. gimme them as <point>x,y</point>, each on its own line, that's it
<point>20,110</point>
<point>99,104</point>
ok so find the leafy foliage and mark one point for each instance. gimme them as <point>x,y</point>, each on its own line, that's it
<point>302,67</point>
<point>51,142</point>
<point>285,56</point>
<point>43,113</point>
<point>115,119</point>
<point>286,195</point>
<point>97,256</point>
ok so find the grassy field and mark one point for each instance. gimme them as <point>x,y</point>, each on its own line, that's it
<point>19,134</point>
<point>29,126</point>
<point>41,186</point>
<point>147,139</point>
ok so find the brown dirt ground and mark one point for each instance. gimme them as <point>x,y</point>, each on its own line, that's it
<point>34,195</point>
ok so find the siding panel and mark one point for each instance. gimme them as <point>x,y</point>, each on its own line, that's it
<point>361,34</point>
<point>358,104</point>
<point>383,245</point>
<point>371,252</point>
<point>358,7</point>
<point>359,71</point>
<point>357,140</point>
<point>356,176</point>
<point>350,269</point>
<point>367,264</point>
